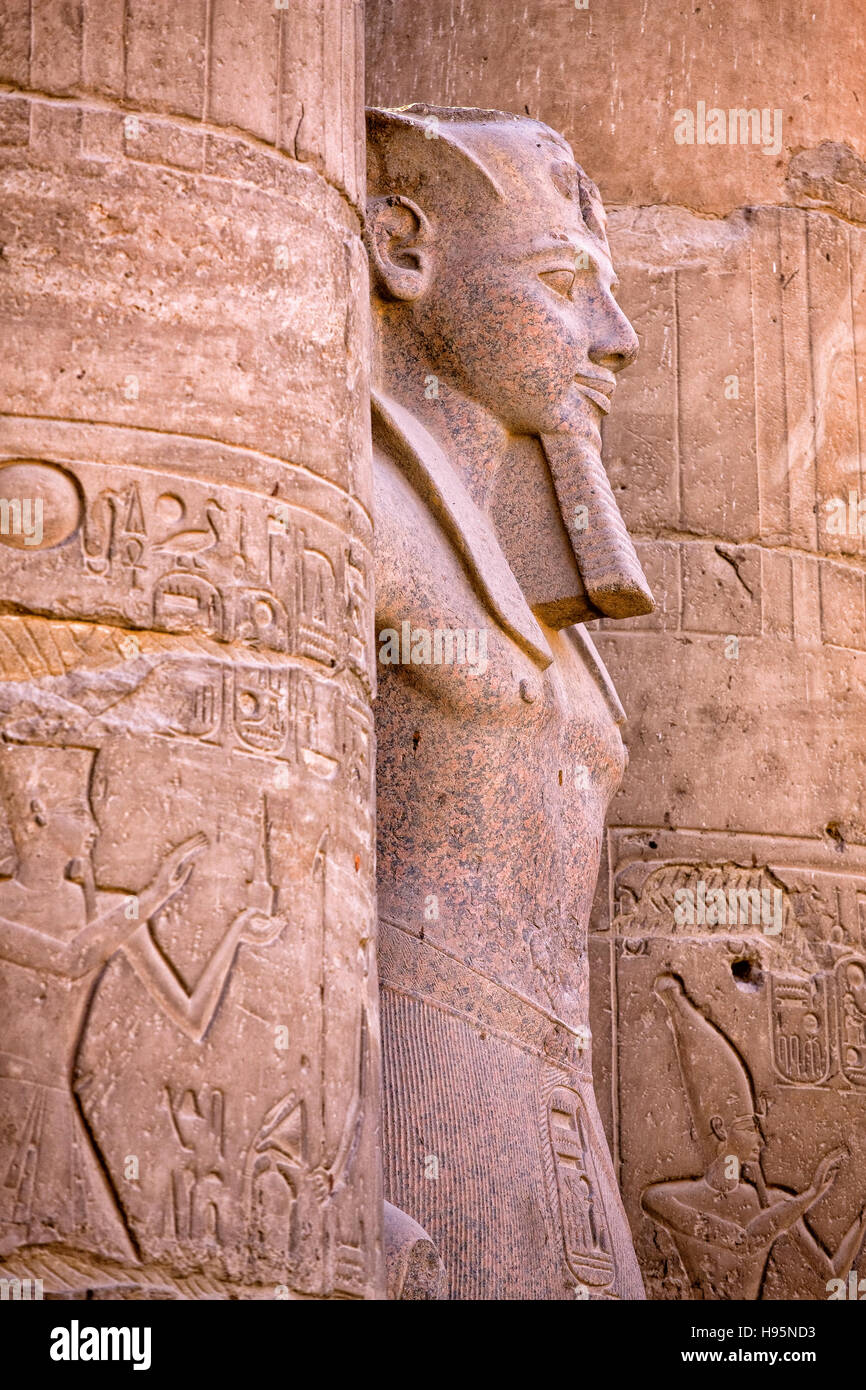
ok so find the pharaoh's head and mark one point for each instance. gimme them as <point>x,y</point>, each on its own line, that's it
<point>45,793</point>
<point>491,238</point>
<point>492,272</point>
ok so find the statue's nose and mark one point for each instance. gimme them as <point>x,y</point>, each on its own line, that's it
<point>615,343</point>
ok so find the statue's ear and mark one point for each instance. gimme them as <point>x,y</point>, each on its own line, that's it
<point>717,1125</point>
<point>396,235</point>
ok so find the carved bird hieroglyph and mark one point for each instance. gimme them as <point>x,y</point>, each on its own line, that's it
<point>193,542</point>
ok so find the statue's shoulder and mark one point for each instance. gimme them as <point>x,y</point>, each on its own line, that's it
<point>418,567</point>
<point>428,528</point>
<point>400,503</point>
<point>410,466</point>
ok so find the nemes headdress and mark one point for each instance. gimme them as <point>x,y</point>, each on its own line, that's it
<point>411,149</point>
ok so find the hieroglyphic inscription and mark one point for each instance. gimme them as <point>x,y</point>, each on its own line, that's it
<point>183,556</point>
<point>204,720</point>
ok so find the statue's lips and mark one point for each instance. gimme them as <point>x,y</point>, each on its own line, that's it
<point>597,389</point>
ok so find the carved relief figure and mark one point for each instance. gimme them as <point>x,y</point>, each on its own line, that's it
<point>58,931</point>
<point>725,1223</point>
<point>498,340</point>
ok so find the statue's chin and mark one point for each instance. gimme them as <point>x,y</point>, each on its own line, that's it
<point>581,417</point>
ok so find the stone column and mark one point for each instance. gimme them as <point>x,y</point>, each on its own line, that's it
<point>730,920</point>
<point>188,1072</point>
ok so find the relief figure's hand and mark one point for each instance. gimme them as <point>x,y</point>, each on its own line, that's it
<point>825,1173</point>
<point>172,874</point>
<point>258,928</point>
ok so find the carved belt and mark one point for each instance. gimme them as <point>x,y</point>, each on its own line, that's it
<point>410,966</point>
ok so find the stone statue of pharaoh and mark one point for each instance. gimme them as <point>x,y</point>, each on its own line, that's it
<point>497,342</point>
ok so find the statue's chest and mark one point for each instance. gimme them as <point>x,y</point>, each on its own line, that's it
<point>466,711</point>
<point>492,794</point>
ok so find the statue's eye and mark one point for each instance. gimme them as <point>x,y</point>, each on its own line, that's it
<point>560,280</point>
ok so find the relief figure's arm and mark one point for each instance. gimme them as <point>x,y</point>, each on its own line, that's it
<point>89,948</point>
<point>193,1009</point>
<point>781,1216</point>
<point>832,1266</point>
<point>99,940</point>
<point>34,949</point>
<point>662,1204</point>
<point>96,942</point>
<point>786,1212</point>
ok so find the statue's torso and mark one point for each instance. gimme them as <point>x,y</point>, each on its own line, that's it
<point>492,790</point>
